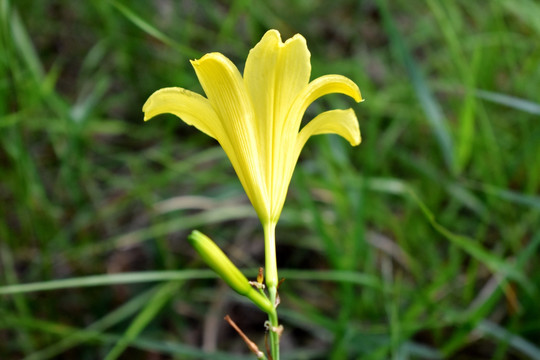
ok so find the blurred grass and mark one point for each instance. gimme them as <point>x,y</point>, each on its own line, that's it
<point>419,244</point>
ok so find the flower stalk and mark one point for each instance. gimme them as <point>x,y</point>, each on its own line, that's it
<point>270,255</point>
<point>271,284</point>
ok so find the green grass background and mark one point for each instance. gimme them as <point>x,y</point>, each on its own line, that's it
<point>421,243</point>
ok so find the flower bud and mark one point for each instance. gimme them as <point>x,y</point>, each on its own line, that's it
<point>222,265</point>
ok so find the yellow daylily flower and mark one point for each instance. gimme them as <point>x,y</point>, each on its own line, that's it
<point>256,118</point>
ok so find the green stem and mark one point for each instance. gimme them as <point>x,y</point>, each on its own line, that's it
<point>274,335</point>
<point>271,283</point>
<point>270,255</point>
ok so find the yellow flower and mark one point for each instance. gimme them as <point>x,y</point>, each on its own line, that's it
<point>257,118</point>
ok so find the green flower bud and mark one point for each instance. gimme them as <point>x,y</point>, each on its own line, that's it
<point>222,265</point>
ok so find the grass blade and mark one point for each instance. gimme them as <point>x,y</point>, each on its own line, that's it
<point>495,264</point>
<point>428,102</point>
<point>148,313</point>
<point>164,347</point>
<point>24,45</point>
<point>84,335</point>
<point>510,101</point>
<point>509,195</point>
<point>516,342</point>
<point>108,279</point>
<point>352,277</point>
<point>153,31</point>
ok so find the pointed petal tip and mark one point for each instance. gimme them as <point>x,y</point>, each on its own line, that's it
<point>149,104</point>
<point>358,98</point>
<point>296,37</point>
<point>275,36</point>
<point>206,57</point>
<point>357,94</point>
<point>272,33</point>
<point>340,122</point>
<point>145,109</point>
<point>356,136</point>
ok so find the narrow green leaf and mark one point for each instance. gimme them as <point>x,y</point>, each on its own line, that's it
<point>509,195</point>
<point>161,346</point>
<point>515,341</point>
<point>25,47</point>
<point>148,313</point>
<point>168,226</point>
<point>352,277</point>
<point>428,102</point>
<point>495,264</point>
<point>153,31</point>
<point>467,116</point>
<point>80,336</point>
<point>108,279</point>
<point>510,101</point>
<point>527,11</point>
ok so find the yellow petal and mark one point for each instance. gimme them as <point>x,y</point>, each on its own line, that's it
<point>225,90</point>
<point>227,94</point>
<point>341,122</point>
<point>321,86</point>
<point>274,74</point>
<point>191,107</point>
<point>288,142</point>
